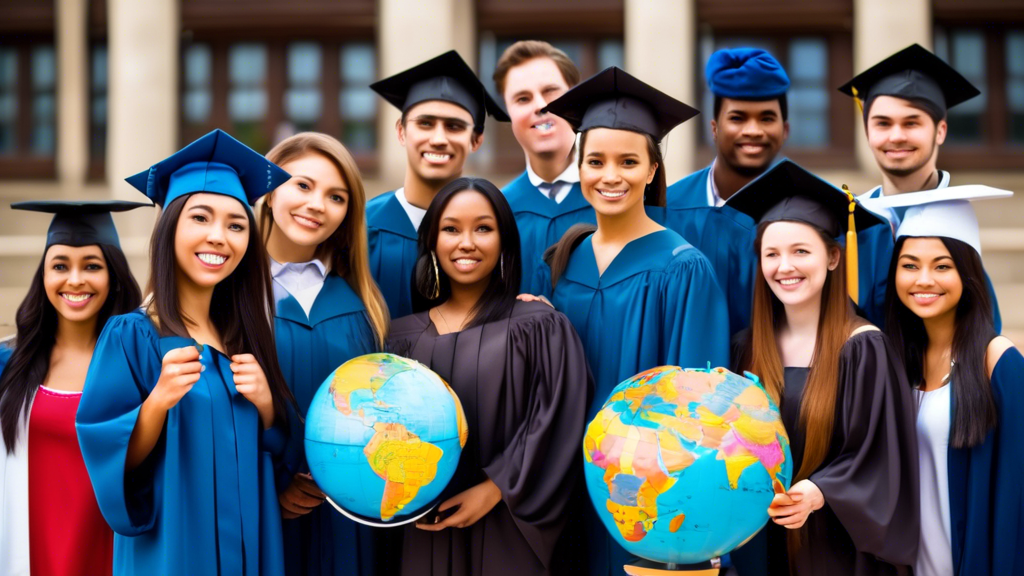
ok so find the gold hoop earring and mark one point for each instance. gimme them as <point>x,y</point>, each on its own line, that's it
<point>437,278</point>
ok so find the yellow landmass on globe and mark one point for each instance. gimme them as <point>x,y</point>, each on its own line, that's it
<point>405,462</point>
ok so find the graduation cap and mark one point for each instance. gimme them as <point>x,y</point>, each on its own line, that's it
<point>943,212</point>
<point>80,223</point>
<point>614,99</point>
<point>447,78</point>
<point>913,73</point>
<point>746,74</point>
<point>215,163</point>
<point>787,192</point>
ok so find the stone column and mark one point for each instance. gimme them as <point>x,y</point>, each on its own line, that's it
<point>144,64</point>
<point>879,29</point>
<point>72,95</point>
<point>409,32</point>
<point>660,40</point>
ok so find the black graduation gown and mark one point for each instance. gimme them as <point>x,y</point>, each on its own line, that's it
<point>869,524</point>
<point>524,386</point>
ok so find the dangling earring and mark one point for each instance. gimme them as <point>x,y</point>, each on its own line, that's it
<point>502,263</point>
<point>437,278</point>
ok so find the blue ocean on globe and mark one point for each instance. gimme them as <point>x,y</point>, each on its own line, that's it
<point>681,465</point>
<point>383,437</point>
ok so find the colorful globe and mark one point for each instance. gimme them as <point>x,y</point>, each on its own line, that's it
<point>681,465</point>
<point>383,438</point>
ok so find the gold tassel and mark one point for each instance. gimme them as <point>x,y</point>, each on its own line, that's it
<point>852,269</point>
<point>856,98</point>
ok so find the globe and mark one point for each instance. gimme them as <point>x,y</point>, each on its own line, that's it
<point>682,464</point>
<point>383,438</point>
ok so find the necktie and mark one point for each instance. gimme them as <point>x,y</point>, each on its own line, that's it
<point>550,189</point>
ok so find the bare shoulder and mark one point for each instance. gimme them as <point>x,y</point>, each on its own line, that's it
<point>996,348</point>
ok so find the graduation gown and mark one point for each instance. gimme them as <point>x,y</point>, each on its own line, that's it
<point>392,243</point>
<point>656,304</point>
<point>875,247</point>
<point>986,492</point>
<point>870,521</point>
<point>726,236</point>
<point>204,501</point>
<point>14,547</point>
<point>523,384</point>
<point>542,221</point>
<point>337,329</point>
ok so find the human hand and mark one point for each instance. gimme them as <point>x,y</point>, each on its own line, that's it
<point>300,497</point>
<point>179,371</point>
<point>251,382</point>
<point>532,298</point>
<point>473,504</point>
<point>791,509</point>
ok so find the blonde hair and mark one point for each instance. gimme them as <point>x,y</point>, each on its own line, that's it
<point>347,249</point>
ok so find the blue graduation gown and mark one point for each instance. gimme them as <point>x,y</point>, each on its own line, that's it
<point>875,247</point>
<point>542,221</point>
<point>392,241</point>
<point>986,494</point>
<point>656,304</point>
<point>725,235</point>
<point>337,329</point>
<point>204,501</point>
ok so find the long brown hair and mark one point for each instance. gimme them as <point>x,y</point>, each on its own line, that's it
<point>242,308</point>
<point>818,401</point>
<point>347,249</point>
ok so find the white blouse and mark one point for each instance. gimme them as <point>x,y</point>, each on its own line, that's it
<point>935,553</point>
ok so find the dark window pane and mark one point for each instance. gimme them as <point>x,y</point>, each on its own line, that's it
<point>1015,84</point>
<point>247,94</point>
<point>303,100</point>
<point>610,53</point>
<point>809,92</point>
<point>8,100</point>
<point>964,49</point>
<point>197,96</point>
<point>357,103</point>
<point>44,105</point>
<point>98,102</point>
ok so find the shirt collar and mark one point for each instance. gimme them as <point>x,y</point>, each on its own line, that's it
<point>278,268</point>
<point>415,213</point>
<point>570,175</point>
<point>714,199</point>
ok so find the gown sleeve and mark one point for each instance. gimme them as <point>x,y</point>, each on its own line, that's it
<point>696,318</point>
<point>537,471</point>
<point>540,285</point>
<point>1007,489</point>
<point>125,366</point>
<point>871,483</point>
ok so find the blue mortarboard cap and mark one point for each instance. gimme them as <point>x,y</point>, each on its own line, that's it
<point>80,223</point>
<point>746,74</point>
<point>215,163</point>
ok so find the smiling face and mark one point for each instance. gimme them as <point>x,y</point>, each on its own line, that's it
<point>904,139</point>
<point>210,239</point>
<point>77,281</point>
<point>468,242</point>
<point>795,262</point>
<point>438,136</point>
<point>927,281</point>
<point>529,87</point>
<point>313,204</point>
<point>615,170</point>
<point>749,134</point>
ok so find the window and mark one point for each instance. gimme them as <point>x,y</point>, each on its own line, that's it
<point>987,131</point>
<point>28,130</point>
<point>819,128</point>
<point>97,110</point>
<point>591,55</point>
<point>263,92</point>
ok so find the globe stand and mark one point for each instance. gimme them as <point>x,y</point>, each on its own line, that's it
<point>378,524</point>
<point>648,568</point>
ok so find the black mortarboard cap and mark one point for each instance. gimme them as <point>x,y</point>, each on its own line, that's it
<point>787,192</point>
<point>447,78</point>
<point>614,99</point>
<point>80,223</point>
<point>913,73</point>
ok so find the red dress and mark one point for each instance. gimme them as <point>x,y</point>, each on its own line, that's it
<point>67,533</point>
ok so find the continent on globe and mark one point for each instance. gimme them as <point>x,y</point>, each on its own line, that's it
<point>672,445</point>
<point>405,462</point>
